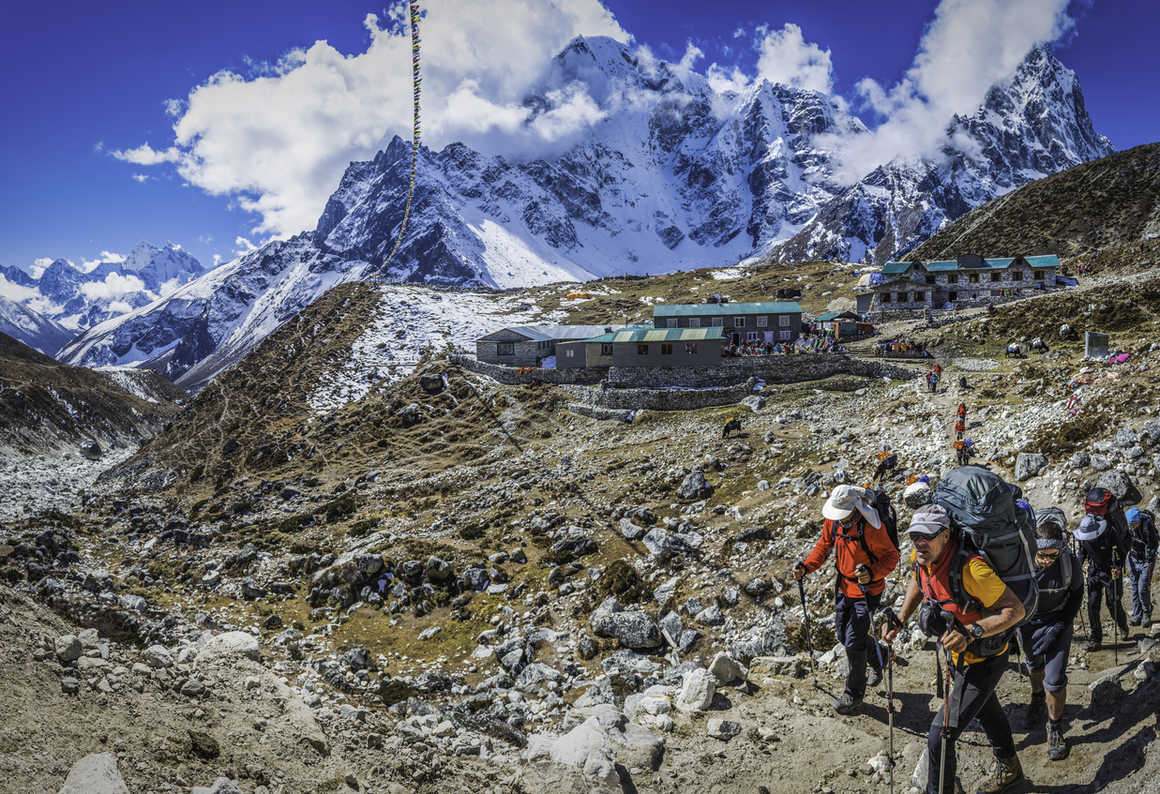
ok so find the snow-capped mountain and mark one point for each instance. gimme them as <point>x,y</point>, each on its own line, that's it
<point>1028,127</point>
<point>77,299</point>
<point>675,174</point>
<point>31,328</point>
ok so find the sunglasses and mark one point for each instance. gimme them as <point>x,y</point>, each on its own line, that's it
<point>1047,556</point>
<point>919,539</point>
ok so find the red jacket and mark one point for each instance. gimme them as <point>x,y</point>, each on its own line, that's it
<point>850,553</point>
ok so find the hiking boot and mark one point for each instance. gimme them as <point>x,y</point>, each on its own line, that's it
<point>1135,621</point>
<point>1036,711</point>
<point>873,677</point>
<point>1124,630</point>
<point>848,705</point>
<point>1008,774</point>
<point>1092,645</point>
<point>1057,749</point>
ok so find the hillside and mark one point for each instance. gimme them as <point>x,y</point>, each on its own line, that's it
<point>1106,212</point>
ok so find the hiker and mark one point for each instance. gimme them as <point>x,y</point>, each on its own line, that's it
<point>961,411</point>
<point>1142,546</point>
<point>960,427</point>
<point>1046,638</point>
<point>932,381</point>
<point>964,448</point>
<point>733,424</point>
<point>864,554</point>
<point>887,460</point>
<point>1102,547</point>
<point>1013,349</point>
<point>975,637</point>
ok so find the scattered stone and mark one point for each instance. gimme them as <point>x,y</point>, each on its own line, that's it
<point>726,669</point>
<point>1121,486</point>
<point>1028,464</point>
<point>723,729</point>
<point>694,486</point>
<point>157,656</point>
<point>230,643</point>
<point>95,774</point>
<point>203,745</point>
<point>68,648</point>
<point>223,785</point>
<point>697,691</point>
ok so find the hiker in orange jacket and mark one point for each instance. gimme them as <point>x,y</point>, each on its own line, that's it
<point>863,555</point>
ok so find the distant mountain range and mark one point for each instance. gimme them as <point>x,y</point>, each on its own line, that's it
<point>676,175</point>
<point>47,310</point>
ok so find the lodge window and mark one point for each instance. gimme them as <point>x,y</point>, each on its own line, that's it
<point>784,335</point>
<point>762,321</point>
<point>1038,275</point>
<point>666,349</point>
<point>642,350</point>
<point>973,278</point>
<point>783,320</point>
<point>1016,275</point>
<point>753,336</point>
<point>719,322</point>
<point>900,297</point>
<point>930,279</point>
<point>952,296</point>
<point>953,278</point>
<point>918,296</point>
<point>691,348</point>
<point>694,322</point>
<point>996,276</point>
<point>505,348</point>
<point>996,293</point>
<point>738,322</point>
<point>606,348</point>
<point>569,353</point>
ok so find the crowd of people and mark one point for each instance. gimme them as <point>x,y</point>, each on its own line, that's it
<point>977,618</point>
<point>815,344</point>
<point>901,348</point>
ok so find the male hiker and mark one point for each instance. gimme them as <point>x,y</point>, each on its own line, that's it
<point>975,638</point>
<point>1104,550</point>
<point>863,554</point>
<point>1142,545</point>
<point>1046,638</point>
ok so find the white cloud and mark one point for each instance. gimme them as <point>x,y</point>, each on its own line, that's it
<point>141,177</point>
<point>39,265</point>
<point>242,246</point>
<point>784,56</point>
<point>16,292</point>
<point>147,155</point>
<point>120,307</point>
<point>966,48</point>
<point>279,139</point>
<point>572,111</point>
<point>169,287</point>
<point>217,259</point>
<point>114,286</point>
<point>173,107</point>
<point>89,265</point>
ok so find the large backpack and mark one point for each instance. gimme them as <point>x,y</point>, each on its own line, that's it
<point>1098,502</point>
<point>881,503</point>
<point>986,520</point>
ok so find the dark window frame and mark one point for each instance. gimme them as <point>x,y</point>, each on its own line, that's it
<point>505,348</point>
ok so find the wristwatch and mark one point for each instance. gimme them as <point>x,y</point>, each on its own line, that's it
<point>976,631</point>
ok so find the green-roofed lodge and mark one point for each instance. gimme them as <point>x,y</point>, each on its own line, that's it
<point>645,347</point>
<point>741,323</point>
<point>968,280</point>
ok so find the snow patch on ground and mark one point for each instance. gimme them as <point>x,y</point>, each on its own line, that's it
<point>726,273</point>
<point>409,319</point>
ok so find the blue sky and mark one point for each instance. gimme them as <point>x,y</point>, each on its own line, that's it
<point>80,81</point>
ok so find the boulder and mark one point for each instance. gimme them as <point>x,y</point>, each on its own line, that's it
<point>754,402</point>
<point>1121,486</point>
<point>432,384</point>
<point>1028,464</point>
<point>1151,432</point>
<point>793,666</point>
<point>91,450</point>
<point>694,486</point>
<point>723,729</point>
<point>697,691</point>
<point>157,656</point>
<point>68,648</point>
<point>726,669</point>
<point>631,531</point>
<point>95,774</point>
<point>1079,460</point>
<point>633,629</point>
<point>228,644</point>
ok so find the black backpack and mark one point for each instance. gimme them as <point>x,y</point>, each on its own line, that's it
<point>986,521</point>
<point>886,512</point>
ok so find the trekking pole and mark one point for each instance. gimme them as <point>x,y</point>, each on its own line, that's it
<point>874,642</point>
<point>893,622</point>
<point>1115,607</point>
<point>951,622</point>
<point>806,623</point>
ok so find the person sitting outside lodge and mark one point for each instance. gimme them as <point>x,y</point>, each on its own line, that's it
<point>976,640</point>
<point>1046,638</point>
<point>863,557</point>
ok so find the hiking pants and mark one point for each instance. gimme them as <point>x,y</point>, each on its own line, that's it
<point>972,695</point>
<point>1100,582</point>
<point>1053,661</point>
<point>852,618</point>
<point>1138,575</point>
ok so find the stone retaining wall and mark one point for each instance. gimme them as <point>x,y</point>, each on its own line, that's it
<point>660,399</point>
<point>511,376</point>
<point>771,369</point>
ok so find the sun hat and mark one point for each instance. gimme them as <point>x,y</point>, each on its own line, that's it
<point>845,499</point>
<point>929,520</point>
<point>1091,527</point>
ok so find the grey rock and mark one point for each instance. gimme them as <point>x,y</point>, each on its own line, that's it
<point>223,785</point>
<point>694,486</point>
<point>157,656</point>
<point>1028,464</point>
<point>697,691</point>
<point>230,643</point>
<point>1151,432</point>
<point>726,669</point>
<point>1125,437</point>
<point>1079,460</point>
<point>1100,462</point>
<point>633,629</point>
<point>95,774</point>
<point>631,531</point>
<point>1121,486</point>
<point>68,648</point>
<point>721,729</point>
<point>710,616</point>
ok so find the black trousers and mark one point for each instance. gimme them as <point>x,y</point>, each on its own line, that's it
<point>852,617</point>
<point>972,695</point>
<point>1100,585</point>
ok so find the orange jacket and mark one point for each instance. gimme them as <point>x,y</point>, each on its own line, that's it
<point>850,553</point>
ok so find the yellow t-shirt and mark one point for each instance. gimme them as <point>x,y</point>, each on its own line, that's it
<point>982,584</point>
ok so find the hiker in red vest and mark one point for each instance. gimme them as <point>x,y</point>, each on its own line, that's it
<point>961,411</point>
<point>975,635</point>
<point>960,428</point>
<point>864,555</point>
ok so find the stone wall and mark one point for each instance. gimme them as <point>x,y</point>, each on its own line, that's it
<point>513,377</point>
<point>771,369</point>
<point>671,399</point>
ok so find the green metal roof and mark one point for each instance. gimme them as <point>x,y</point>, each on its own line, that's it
<point>1044,260</point>
<point>952,265</point>
<point>724,309</point>
<point>715,333</point>
<point>825,317</point>
<point>895,268</point>
<point>612,336</point>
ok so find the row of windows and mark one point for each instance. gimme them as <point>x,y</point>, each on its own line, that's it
<point>760,321</point>
<point>667,349</point>
<point>996,275</point>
